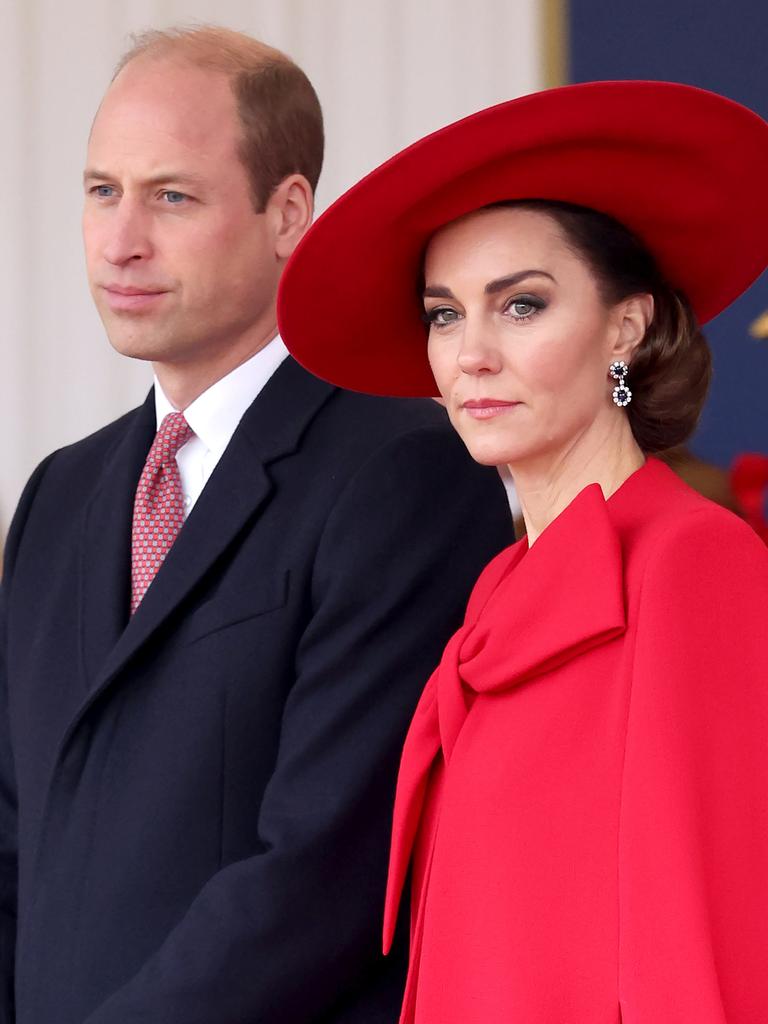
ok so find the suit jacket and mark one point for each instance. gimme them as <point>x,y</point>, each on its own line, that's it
<point>585,784</point>
<point>194,804</point>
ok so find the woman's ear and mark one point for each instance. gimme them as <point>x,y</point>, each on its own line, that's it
<point>634,318</point>
<point>290,209</point>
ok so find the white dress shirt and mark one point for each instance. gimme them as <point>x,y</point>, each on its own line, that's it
<point>214,417</point>
<point>509,487</point>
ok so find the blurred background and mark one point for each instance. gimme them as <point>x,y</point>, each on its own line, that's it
<point>386,71</point>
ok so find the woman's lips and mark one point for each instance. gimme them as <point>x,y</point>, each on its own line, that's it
<point>487,408</point>
<point>121,299</point>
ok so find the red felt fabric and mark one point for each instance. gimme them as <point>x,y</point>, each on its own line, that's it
<point>584,790</point>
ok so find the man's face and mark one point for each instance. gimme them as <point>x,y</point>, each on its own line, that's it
<point>181,267</point>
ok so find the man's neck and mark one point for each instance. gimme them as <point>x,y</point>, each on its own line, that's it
<point>182,383</point>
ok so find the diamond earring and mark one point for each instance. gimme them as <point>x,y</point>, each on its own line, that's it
<point>621,394</point>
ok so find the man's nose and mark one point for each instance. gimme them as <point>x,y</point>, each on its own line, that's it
<point>128,235</point>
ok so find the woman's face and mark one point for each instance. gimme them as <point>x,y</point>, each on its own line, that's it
<point>519,338</point>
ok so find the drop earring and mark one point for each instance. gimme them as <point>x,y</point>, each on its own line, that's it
<point>621,394</point>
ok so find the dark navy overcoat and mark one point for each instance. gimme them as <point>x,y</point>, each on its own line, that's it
<point>195,803</point>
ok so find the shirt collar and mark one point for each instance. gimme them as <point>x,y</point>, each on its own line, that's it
<point>215,414</point>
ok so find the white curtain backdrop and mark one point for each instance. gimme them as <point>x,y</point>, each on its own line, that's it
<point>386,71</point>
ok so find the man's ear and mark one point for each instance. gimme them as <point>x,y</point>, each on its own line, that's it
<point>634,316</point>
<point>290,209</point>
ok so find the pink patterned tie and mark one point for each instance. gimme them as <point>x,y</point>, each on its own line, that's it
<point>158,509</point>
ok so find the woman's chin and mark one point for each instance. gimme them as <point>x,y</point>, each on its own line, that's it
<point>495,443</point>
<point>489,454</point>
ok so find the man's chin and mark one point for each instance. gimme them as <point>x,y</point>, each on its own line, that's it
<point>159,350</point>
<point>133,348</point>
<point>134,336</point>
<point>151,350</point>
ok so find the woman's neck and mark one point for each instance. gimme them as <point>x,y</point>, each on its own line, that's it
<point>548,484</point>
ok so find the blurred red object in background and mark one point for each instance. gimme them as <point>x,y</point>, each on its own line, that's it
<point>749,481</point>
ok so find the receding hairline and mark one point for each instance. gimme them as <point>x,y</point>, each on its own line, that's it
<point>210,47</point>
<point>281,121</point>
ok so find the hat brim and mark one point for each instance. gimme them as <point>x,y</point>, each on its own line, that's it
<point>685,169</point>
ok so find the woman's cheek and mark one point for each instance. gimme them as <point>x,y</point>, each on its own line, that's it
<point>444,369</point>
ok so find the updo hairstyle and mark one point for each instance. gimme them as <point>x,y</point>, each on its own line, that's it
<point>670,371</point>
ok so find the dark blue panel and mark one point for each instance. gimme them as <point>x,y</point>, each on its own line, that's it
<point>720,45</point>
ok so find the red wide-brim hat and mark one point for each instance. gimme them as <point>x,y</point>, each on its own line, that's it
<point>685,169</point>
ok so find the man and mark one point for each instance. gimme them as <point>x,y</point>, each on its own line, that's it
<point>218,611</point>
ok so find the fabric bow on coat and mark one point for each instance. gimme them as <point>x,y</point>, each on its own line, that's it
<point>506,640</point>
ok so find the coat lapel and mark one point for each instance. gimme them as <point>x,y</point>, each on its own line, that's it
<point>105,550</point>
<point>271,428</point>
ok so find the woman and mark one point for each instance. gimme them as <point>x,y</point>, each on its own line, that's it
<point>583,795</point>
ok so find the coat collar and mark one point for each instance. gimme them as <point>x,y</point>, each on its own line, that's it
<point>543,606</point>
<point>557,599</point>
<point>271,429</point>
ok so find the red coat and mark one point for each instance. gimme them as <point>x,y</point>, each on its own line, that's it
<point>584,787</point>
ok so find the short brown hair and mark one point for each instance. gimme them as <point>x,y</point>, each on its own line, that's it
<point>670,371</point>
<point>278,109</point>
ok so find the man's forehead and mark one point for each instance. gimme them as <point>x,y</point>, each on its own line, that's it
<point>169,95</point>
<point>175,113</point>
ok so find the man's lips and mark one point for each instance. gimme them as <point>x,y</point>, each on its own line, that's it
<point>128,298</point>
<point>487,408</point>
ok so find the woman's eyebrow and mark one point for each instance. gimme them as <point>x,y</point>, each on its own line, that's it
<point>438,291</point>
<point>441,291</point>
<point>511,279</point>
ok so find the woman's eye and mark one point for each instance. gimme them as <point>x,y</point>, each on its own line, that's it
<point>441,316</point>
<point>524,307</point>
<point>174,197</point>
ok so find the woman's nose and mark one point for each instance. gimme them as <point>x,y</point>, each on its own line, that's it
<point>479,351</point>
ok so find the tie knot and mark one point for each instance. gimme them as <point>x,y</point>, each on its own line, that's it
<point>173,434</point>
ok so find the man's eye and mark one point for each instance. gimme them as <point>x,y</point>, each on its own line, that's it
<point>174,197</point>
<point>440,316</point>
<point>103,191</point>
